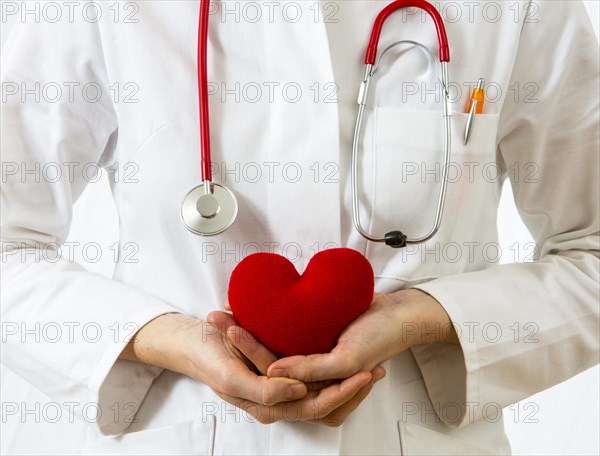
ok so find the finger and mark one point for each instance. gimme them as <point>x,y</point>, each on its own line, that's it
<point>339,415</point>
<point>313,407</point>
<point>336,395</point>
<point>221,320</point>
<point>242,383</point>
<point>318,386</point>
<point>256,352</point>
<point>313,368</point>
<point>378,373</point>
<point>227,306</point>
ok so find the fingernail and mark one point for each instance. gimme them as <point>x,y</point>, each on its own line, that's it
<point>278,373</point>
<point>295,391</point>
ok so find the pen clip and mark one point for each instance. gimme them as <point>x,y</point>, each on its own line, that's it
<point>470,121</point>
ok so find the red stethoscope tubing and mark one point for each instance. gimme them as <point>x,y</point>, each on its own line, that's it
<point>369,59</point>
<point>399,4</point>
<point>203,91</point>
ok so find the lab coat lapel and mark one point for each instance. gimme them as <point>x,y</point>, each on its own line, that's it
<point>304,136</point>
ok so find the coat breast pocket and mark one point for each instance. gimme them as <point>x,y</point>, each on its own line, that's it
<point>189,437</point>
<point>407,174</point>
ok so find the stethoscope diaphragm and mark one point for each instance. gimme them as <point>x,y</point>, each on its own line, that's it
<point>207,212</point>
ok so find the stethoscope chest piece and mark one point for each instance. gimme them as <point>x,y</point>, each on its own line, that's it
<point>207,213</point>
<point>210,208</point>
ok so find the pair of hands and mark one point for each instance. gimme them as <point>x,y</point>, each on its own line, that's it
<point>320,388</point>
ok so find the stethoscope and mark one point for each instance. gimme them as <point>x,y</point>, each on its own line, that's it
<point>211,208</point>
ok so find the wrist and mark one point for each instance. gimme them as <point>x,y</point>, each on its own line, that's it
<point>423,320</point>
<point>154,342</point>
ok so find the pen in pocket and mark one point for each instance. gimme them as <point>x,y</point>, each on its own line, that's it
<point>475,107</point>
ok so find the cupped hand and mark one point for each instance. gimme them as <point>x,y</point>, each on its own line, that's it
<point>202,350</point>
<point>393,323</point>
<point>328,402</point>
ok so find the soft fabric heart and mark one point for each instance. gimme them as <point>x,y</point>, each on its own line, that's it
<point>295,314</point>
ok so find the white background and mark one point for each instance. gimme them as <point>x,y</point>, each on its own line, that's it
<point>562,420</point>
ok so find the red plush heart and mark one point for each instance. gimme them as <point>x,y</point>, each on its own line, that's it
<point>295,314</point>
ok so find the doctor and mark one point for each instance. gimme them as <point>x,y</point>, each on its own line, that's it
<point>451,337</point>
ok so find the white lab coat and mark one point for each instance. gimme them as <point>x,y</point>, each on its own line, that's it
<point>523,327</point>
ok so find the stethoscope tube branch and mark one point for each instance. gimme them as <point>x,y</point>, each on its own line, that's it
<point>444,50</point>
<point>397,239</point>
<point>203,91</point>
